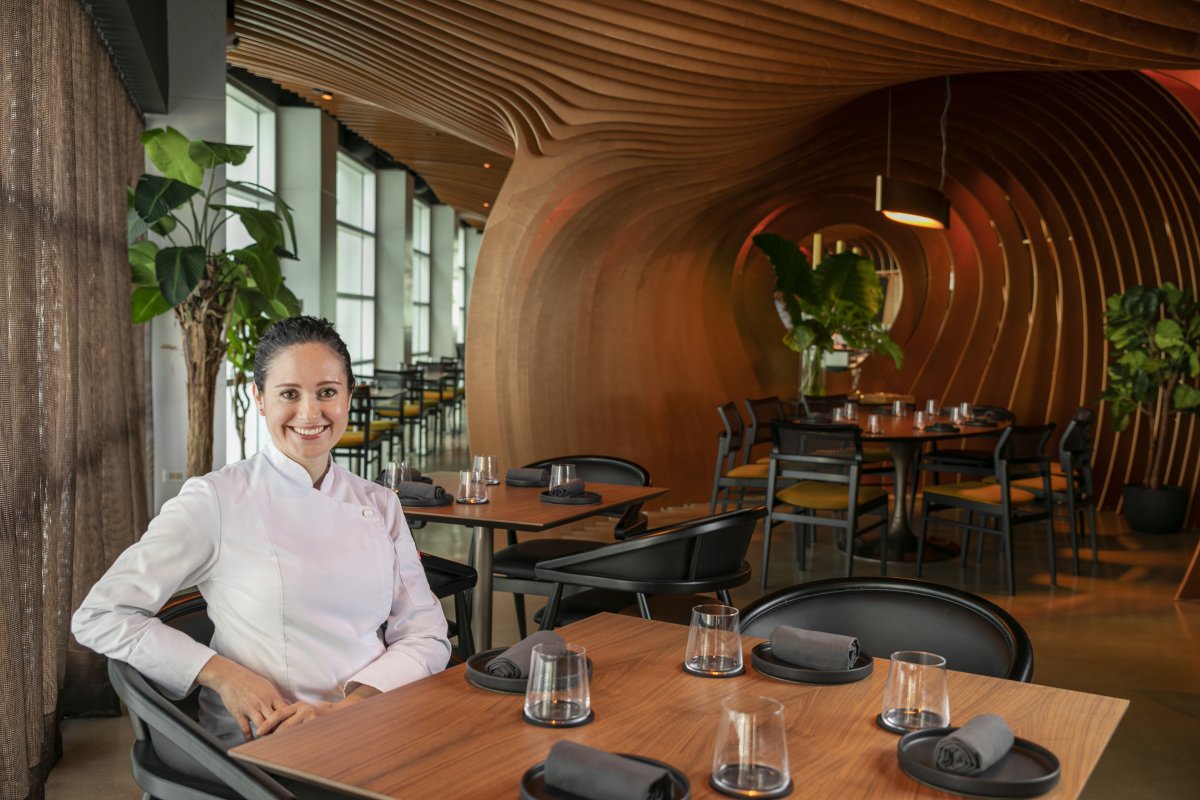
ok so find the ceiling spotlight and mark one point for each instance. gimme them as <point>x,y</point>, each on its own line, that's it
<point>487,205</point>
<point>487,165</point>
<point>324,94</point>
<point>912,203</point>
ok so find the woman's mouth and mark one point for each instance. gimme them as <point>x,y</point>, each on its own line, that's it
<point>311,432</point>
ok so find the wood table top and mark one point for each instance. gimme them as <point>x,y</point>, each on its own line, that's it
<point>522,509</point>
<point>897,429</point>
<point>444,737</point>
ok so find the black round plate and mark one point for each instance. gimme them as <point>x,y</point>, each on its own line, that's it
<point>766,662</point>
<point>940,427</point>
<point>477,674</point>
<point>527,484</point>
<point>545,723</point>
<point>1026,771</point>
<point>978,423</point>
<point>585,499</point>
<point>425,502</point>
<point>533,782</point>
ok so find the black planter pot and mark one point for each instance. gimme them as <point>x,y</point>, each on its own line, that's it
<point>1155,510</point>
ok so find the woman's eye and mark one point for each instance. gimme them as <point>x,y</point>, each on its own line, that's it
<point>328,393</point>
<point>288,394</point>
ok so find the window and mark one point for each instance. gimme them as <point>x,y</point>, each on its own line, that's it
<point>458,311</point>
<point>422,236</point>
<point>356,262</point>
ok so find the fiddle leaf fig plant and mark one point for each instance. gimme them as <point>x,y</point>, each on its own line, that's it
<point>842,297</point>
<point>1154,363</point>
<point>213,292</point>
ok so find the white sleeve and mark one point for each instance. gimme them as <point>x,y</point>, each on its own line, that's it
<point>117,619</point>
<point>415,633</point>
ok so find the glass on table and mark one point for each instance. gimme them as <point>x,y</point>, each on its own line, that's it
<point>560,474</point>
<point>915,697</point>
<point>750,757</point>
<point>851,410</point>
<point>396,473</point>
<point>918,420</point>
<point>714,646</point>
<point>965,411</point>
<point>931,409</point>
<point>486,466</point>
<point>472,489</point>
<point>899,409</point>
<point>558,693</point>
<point>839,415</point>
<point>874,423</point>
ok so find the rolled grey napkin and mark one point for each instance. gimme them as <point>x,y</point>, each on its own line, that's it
<point>814,649</point>
<point>600,775</point>
<point>572,488</point>
<point>528,475</point>
<point>974,747</point>
<point>514,662</point>
<point>411,490</point>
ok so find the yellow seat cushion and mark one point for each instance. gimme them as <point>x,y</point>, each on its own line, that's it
<point>383,425</point>
<point>826,496</point>
<point>763,460</point>
<point>980,492</point>
<point>748,471</point>
<point>1058,483</point>
<point>431,396</point>
<point>460,391</point>
<point>410,410</point>
<point>352,439</point>
<point>447,394</point>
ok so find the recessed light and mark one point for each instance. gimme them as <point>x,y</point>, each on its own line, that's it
<point>325,94</point>
<point>486,165</point>
<point>487,205</point>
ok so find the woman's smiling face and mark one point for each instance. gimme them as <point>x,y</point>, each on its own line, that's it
<point>306,402</point>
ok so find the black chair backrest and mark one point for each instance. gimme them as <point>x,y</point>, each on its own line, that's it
<point>1076,441</point>
<point>760,412</point>
<point>996,412</point>
<point>735,430</point>
<point>173,756</point>
<point>608,469</point>
<point>815,451</point>
<point>891,614</point>
<point>1021,451</point>
<point>700,555</point>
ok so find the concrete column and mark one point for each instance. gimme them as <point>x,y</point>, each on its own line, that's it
<point>441,312</point>
<point>196,34</point>
<point>393,266</point>
<point>307,181</point>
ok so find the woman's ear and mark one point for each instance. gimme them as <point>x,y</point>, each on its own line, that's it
<point>258,401</point>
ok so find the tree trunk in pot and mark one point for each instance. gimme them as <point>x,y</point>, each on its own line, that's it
<point>202,322</point>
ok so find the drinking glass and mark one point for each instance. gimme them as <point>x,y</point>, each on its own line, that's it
<point>898,408</point>
<point>839,415</point>
<point>851,410</point>
<point>965,411</point>
<point>874,423</point>
<point>915,697</point>
<point>919,420</point>
<point>955,415</point>
<point>931,408</point>
<point>561,473</point>
<point>486,466</point>
<point>714,647</point>
<point>558,694</point>
<point>396,473</point>
<point>750,758</point>
<point>471,487</point>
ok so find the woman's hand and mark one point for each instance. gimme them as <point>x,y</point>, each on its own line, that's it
<point>249,697</point>
<point>290,715</point>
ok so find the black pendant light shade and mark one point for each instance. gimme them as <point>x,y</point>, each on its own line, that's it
<point>911,203</point>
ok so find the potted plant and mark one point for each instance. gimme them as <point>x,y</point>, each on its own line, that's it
<point>211,291</point>
<point>1154,371</point>
<point>841,297</point>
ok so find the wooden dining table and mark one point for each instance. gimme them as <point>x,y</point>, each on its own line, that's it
<point>443,737</point>
<point>518,509</point>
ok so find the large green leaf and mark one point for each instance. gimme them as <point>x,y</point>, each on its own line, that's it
<point>282,209</point>
<point>793,275</point>
<point>1187,398</point>
<point>136,227</point>
<point>263,226</point>
<point>147,303</point>
<point>849,278</point>
<point>179,270</point>
<point>141,259</point>
<point>168,150</point>
<point>164,225</point>
<point>286,304</point>
<point>264,268</point>
<point>156,196</point>
<point>210,154</point>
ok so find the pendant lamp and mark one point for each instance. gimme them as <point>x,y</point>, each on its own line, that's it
<point>912,203</point>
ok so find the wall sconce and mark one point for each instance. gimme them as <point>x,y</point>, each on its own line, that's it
<point>911,203</point>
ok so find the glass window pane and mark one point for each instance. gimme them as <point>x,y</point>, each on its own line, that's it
<point>368,201</point>
<point>349,262</point>
<point>367,246</point>
<point>349,325</point>
<point>367,348</point>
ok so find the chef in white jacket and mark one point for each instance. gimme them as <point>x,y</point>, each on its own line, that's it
<point>310,573</point>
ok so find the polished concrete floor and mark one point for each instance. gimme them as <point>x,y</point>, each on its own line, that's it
<point>1114,630</point>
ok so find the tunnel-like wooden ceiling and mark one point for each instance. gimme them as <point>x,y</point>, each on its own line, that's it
<point>635,146</point>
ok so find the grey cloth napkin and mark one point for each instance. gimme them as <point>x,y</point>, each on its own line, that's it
<point>974,747</point>
<point>514,662</point>
<point>814,649</point>
<point>572,488</point>
<point>600,775</point>
<point>411,490</point>
<point>528,475</point>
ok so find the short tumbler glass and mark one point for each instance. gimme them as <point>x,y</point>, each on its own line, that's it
<point>560,474</point>
<point>916,696</point>
<point>558,694</point>
<point>714,647</point>
<point>750,758</point>
<point>472,489</point>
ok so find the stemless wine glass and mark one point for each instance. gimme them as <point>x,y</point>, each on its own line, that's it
<point>560,474</point>
<point>931,408</point>
<point>472,489</point>
<point>898,408</point>
<point>919,420</point>
<point>750,758</point>
<point>955,415</point>
<point>558,694</point>
<point>486,466</point>
<point>851,410</point>
<point>874,423</point>
<point>714,647</point>
<point>916,696</point>
<point>396,473</point>
<point>965,411</point>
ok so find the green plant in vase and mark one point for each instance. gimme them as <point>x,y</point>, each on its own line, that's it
<point>842,297</point>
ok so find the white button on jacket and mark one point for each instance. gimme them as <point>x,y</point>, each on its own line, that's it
<point>299,584</point>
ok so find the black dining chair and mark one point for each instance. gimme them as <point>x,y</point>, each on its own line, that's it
<point>660,572</point>
<point>730,473</point>
<point>892,614</point>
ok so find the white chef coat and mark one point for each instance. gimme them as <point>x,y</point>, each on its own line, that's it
<point>298,582</point>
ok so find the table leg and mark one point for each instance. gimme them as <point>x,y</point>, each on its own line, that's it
<point>901,539</point>
<point>481,616</point>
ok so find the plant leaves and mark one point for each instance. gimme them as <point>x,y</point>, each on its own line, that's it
<point>168,150</point>
<point>264,268</point>
<point>263,226</point>
<point>141,259</point>
<point>179,269</point>
<point>849,278</point>
<point>147,303</point>
<point>793,275</point>
<point>282,209</point>
<point>156,196</point>
<point>211,154</point>
<point>136,227</point>
<point>1186,398</point>
<point>286,304</point>
<point>165,225</point>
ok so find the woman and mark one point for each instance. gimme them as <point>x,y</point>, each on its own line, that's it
<point>311,576</point>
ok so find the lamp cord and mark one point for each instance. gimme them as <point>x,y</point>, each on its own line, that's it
<point>945,114</point>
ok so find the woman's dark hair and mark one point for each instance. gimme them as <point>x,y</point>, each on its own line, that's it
<point>297,330</point>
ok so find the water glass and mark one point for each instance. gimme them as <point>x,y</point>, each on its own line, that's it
<point>839,415</point>
<point>918,420</point>
<point>472,489</point>
<point>965,411</point>
<point>561,473</point>
<point>898,408</point>
<point>486,466</point>
<point>750,757</point>
<point>558,694</point>
<point>931,409</point>
<point>714,647</point>
<point>955,415</point>
<point>915,697</point>
<point>851,411</point>
<point>874,423</point>
<point>396,473</point>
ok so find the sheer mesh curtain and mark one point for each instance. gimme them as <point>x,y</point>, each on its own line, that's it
<point>72,466</point>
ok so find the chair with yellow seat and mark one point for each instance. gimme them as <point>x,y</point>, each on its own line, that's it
<point>730,474</point>
<point>824,465</point>
<point>1019,456</point>
<point>760,413</point>
<point>404,409</point>
<point>360,444</point>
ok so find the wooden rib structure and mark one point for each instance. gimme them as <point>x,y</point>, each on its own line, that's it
<point>639,145</point>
